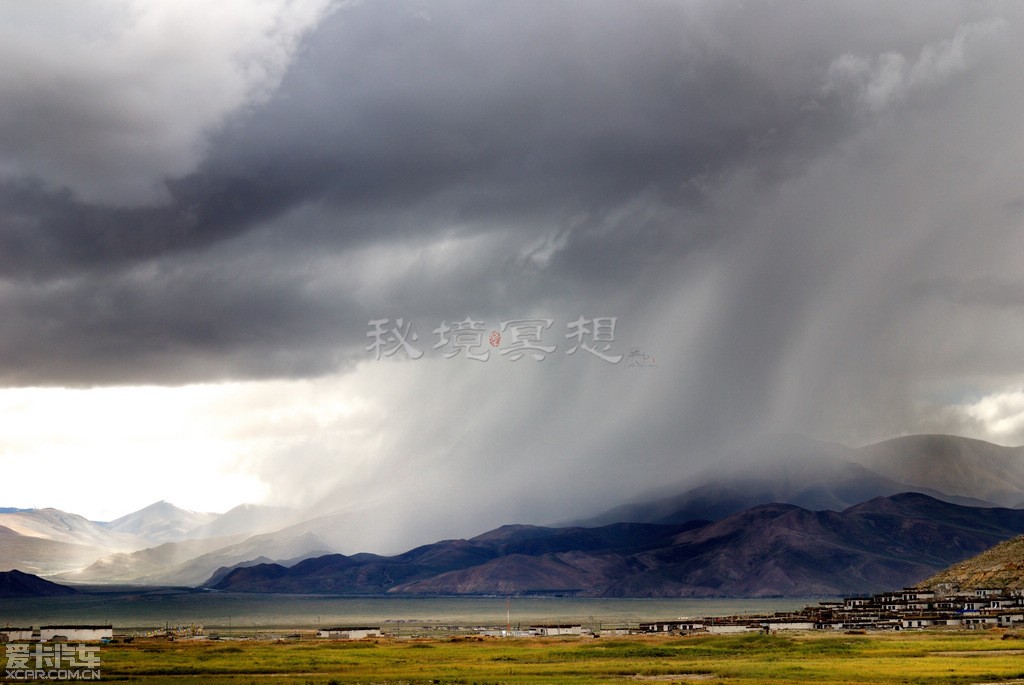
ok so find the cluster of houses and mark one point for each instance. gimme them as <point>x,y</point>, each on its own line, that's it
<point>539,630</point>
<point>909,608</point>
<point>61,633</point>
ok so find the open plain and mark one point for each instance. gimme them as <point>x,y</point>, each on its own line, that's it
<point>934,656</point>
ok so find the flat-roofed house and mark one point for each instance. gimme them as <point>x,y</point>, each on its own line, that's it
<point>82,633</point>
<point>351,633</point>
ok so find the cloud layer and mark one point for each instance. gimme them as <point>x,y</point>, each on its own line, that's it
<point>110,100</point>
<point>808,215</point>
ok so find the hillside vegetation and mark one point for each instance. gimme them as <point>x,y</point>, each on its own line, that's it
<point>999,567</point>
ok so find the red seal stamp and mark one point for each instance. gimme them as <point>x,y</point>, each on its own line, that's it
<point>495,338</point>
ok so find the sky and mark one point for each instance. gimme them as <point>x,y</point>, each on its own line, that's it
<point>719,220</point>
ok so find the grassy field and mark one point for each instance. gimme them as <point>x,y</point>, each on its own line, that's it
<point>925,657</point>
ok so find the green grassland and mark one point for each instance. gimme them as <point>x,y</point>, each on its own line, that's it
<point>924,657</point>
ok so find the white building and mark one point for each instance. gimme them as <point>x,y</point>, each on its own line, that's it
<point>75,633</point>
<point>789,625</point>
<point>669,626</point>
<point>16,634</point>
<point>353,633</point>
<point>979,620</point>
<point>558,629</point>
<point>726,628</point>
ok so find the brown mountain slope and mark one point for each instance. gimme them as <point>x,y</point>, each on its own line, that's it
<point>1001,566</point>
<point>773,549</point>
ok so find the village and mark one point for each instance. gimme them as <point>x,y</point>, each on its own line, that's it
<point>946,606</point>
<point>908,609</point>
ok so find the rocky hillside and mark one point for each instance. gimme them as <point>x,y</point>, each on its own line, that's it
<point>999,567</point>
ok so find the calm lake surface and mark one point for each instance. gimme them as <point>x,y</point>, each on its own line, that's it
<point>146,609</point>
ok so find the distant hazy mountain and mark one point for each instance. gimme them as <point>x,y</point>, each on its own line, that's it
<point>950,464</point>
<point>53,542</point>
<point>61,526</point>
<point>269,546</point>
<point>42,556</point>
<point>190,562</point>
<point>250,519</point>
<point>18,584</point>
<point>47,541</point>
<point>774,549</point>
<point>819,475</point>
<point>161,522</point>
<point>138,566</point>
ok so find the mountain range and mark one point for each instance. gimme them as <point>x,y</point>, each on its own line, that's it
<point>772,549</point>
<point>808,498</point>
<point>524,559</point>
<point>822,475</point>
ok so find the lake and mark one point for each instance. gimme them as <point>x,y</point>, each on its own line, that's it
<point>144,609</point>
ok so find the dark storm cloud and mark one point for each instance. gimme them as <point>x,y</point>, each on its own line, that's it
<point>47,234</point>
<point>163,323</point>
<point>600,127</point>
<point>511,113</point>
<point>532,113</point>
<point>570,156</point>
<point>808,213</point>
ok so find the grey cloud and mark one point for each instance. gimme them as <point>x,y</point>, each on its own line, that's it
<point>598,129</point>
<point>533,114</point>
<point>796,259</point>
<point>998,293</point>
<point>109,100</point>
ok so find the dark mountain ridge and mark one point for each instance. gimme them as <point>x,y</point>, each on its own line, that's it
<point>772,549</point>
<point>366,573</point>
<point>15,583</point>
